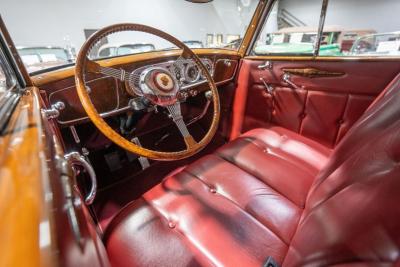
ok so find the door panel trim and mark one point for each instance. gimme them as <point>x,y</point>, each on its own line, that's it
<point>312,72</point>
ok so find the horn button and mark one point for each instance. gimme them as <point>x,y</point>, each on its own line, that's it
<point>159,86</point>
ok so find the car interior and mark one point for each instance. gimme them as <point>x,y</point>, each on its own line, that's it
<point>218,157</point>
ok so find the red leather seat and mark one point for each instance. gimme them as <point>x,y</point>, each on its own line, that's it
<point>274,193</point>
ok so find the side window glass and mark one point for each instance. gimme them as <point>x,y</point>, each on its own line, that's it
<point>3,83</point>
<point>7,80</point>
<point>365,29</point>
<point>291,29</point>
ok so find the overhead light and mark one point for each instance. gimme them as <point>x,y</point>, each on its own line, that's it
<point>246,3</point>
<point>199,1</point>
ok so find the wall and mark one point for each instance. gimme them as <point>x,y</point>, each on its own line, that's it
<point>61,22</point>
<point>383,15</point>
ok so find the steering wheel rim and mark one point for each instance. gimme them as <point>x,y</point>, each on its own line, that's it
<point>84,65</point>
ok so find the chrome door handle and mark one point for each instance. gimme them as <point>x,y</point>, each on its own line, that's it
<point>266,65</point>
<point>286,78</point>
<point>76,158</point>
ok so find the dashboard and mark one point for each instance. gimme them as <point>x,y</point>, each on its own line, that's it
<point>111,97</point>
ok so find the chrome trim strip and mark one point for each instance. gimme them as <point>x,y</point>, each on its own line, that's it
<point>318,40</point>
<point>103,115</point>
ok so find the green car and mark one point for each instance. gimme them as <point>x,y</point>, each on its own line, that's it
<point>300,40</point>
<point>300,48</point>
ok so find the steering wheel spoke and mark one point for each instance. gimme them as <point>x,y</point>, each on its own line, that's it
<point>176,115</point>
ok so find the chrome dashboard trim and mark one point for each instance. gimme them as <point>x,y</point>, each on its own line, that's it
<point>103,115</point>
<point>169,65</point>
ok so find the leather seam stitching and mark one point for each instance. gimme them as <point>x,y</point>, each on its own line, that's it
<point>275,149</point>
<point>257,177</point>
<point>345,109</point>
<point>303,111</point>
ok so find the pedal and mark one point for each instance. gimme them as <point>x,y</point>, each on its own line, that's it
<point>144,162</point>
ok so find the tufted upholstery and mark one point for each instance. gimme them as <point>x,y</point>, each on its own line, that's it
<point>272,192</point>
<point>323,110</point>
<point>246,197</point>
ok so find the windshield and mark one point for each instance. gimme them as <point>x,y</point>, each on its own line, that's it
<point>57,29</point>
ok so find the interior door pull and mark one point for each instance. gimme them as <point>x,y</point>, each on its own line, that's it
<point>268,87</point>
<point>286,79</point>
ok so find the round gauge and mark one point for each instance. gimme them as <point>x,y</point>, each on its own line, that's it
<point>192,73</point>
<point>208,66</point>
<point>177,72</point>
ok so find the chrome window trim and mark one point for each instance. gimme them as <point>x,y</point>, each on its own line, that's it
<point>10,98</point>
<point>321,25</point>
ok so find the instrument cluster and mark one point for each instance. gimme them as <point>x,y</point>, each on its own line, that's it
<point>185,71</point>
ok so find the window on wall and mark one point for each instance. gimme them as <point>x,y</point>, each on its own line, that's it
<point>365,28</point>
<point>291,28</point>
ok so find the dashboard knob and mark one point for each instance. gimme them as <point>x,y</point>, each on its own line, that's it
<point>184,94</point>
<point>193,92</point>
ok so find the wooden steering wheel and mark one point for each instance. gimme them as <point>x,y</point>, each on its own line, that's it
<point>158,86</point>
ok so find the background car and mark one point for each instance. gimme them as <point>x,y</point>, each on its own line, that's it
<point>42,57</point>
<point>335,40</point>
<point>193,44</point>
<point>112,50</point>
<point>234,44</point>
<point>377,44</point>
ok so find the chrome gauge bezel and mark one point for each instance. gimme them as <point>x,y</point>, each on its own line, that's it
<point>208,62</point>
<point>197,77</point>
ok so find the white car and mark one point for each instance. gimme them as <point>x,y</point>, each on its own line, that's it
<point>112,50</point>
<point>377,44</point>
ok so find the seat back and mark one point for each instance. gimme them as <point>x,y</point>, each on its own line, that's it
<point>352,214</point>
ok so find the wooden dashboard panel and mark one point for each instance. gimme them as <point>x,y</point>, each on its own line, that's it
<point>225,70</point>
<point>108,94</point>
<point>103,91</point>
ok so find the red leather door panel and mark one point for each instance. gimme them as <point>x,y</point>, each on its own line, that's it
<point>321,108</point>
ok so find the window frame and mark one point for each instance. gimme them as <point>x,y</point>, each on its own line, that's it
<point>10,99</point>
